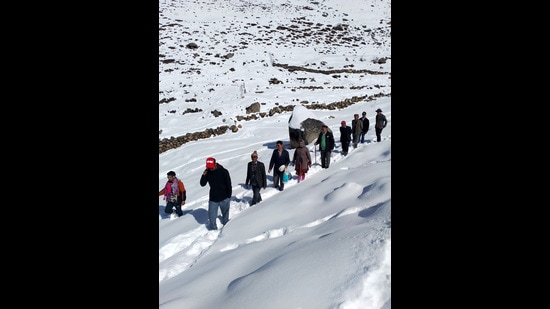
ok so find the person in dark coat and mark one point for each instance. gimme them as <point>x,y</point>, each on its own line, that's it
<point>345,137</point>
<point>326,145</point>
<point>380,124</point>
<point>279,157</point>
<point>220,191</point>
<point>255,176</point>
<point>366,125</point>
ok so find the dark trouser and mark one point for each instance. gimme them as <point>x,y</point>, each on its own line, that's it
<point>278,178</point>
<point>170,205</point>
<point>256,197</point>
<point>363,137</point>
<point>378,134</point>
<point>345,147</point>
<point>325,158</point>
<point>213,212</point>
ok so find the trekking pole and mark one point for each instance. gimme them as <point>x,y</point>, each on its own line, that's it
<point>315,153</point>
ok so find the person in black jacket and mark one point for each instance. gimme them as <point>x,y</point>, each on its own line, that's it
<point>220,191</point>
<point>345,137</point>
<point>366,125</point>
<point>326,145</point>
<point>255,176</point>
<point>279,157</point>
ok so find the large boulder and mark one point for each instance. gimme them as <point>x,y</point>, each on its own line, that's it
<point>303,125</point>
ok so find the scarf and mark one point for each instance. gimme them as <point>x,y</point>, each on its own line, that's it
<point>171,189</point>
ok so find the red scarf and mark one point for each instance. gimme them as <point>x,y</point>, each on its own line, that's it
<point>171,188</point>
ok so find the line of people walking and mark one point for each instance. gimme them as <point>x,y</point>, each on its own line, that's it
<point>359,128</point>
<point>219,179</point>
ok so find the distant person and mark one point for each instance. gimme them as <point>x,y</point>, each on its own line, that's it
<point>380,124</point>
<point>220,191</point>
<point>255,176</point>
<point>174,194</point>
<point>366,125</point>
<point>301,160</point>
<point>280,157</point>
<point>345,137</point>
<point>356,129</point>
<point>326,145</point>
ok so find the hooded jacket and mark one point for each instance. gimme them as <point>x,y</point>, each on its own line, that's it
<point>220,183</point>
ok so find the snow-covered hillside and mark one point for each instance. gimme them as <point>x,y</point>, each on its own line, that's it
<point>277,53</point>
<point>321,243</point>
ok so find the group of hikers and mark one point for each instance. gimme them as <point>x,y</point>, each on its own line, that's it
<point>219,178</point>
<point>355,134</point>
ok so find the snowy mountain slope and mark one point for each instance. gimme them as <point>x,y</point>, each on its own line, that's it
<point>238,43</point>
<point>321,243</point>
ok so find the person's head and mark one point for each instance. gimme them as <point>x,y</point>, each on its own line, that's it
<point>254,156</point>
<point>171,175</point>
<point>210,163</point>
<point>279,145</point>
<point>364,114</point>
<point>324,128</point>
<point>343,123</point>
<point>355,116</point>
<point>378,111</point>
<point>302,143</point>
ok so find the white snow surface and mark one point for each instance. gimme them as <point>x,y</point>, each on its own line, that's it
<point>321,243</point>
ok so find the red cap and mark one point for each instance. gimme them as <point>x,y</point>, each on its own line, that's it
<point>210,162</point>
<point>343,122</point>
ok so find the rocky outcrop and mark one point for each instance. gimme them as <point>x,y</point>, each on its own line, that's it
<point>309,132</point>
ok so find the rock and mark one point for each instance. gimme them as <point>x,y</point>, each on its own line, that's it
<point>303,125</point>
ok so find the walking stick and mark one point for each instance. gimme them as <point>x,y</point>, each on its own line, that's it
<point>315,153</point>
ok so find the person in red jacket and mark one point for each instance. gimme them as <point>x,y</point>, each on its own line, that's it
<point>174,194</point>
